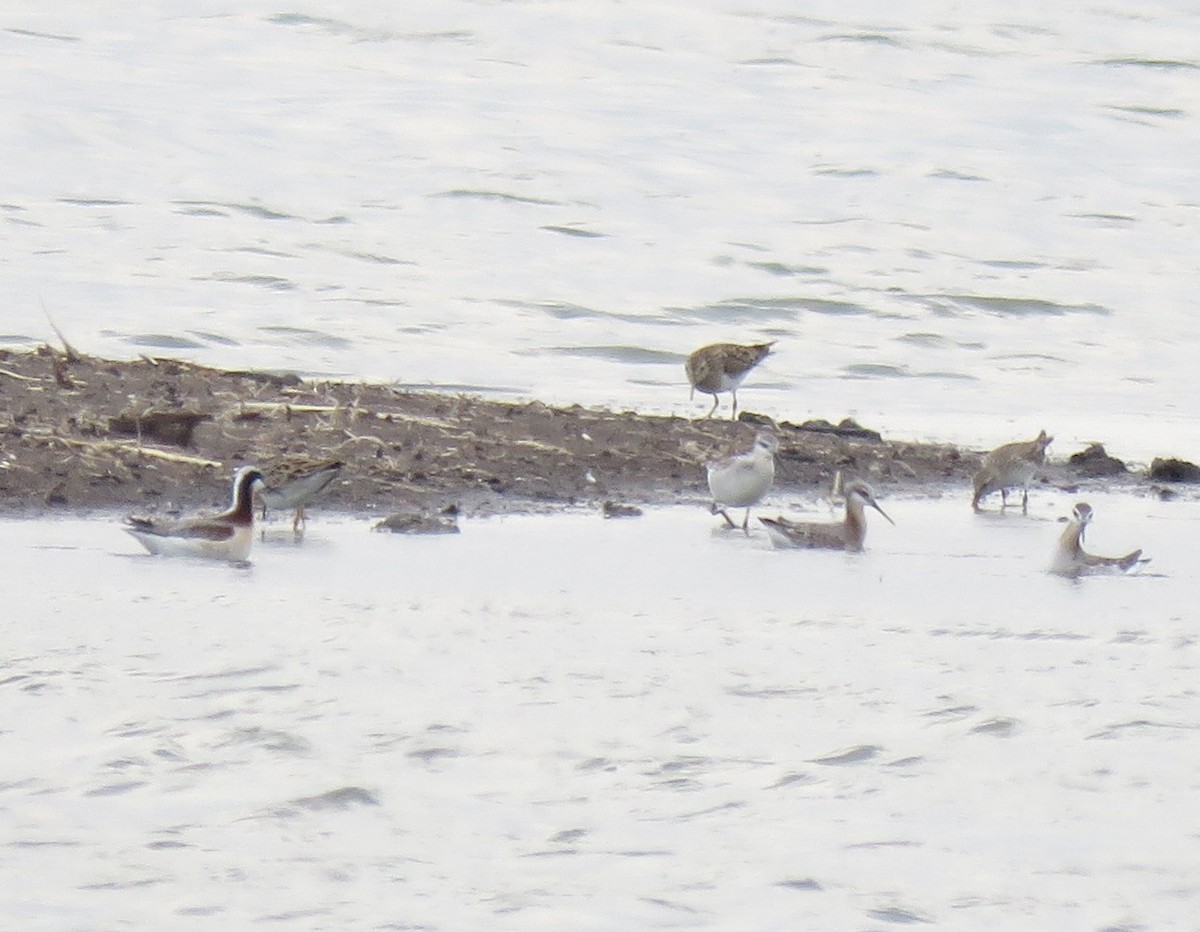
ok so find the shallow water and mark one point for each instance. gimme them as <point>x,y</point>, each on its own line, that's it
<point>563,722</point>
<point>961,223</point>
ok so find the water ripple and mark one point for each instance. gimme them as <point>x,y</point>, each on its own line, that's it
<point>346,797</point>
<point>574,231</point>
<point>1156,64</point>
<point>739,309</point>
<point>625,354</point>
<point>271,282</point>
<point>997,727</point>
<point>305,337</point>
<point>31,34</point>
<point>949,304</point>
<point>162,341</point>
<point>800,883</point>
<point>897,915</point>
<point>504,196</point>
<point>859,754</point>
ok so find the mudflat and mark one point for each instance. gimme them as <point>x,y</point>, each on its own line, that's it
<point>151,434</point>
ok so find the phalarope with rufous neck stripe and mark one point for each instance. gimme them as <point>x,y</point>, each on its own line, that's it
<point>741,480</point>
<point>1011,466</point>
<point>847,534</point>
<point>1070,559</point>
<point>721,367</point>
<point>226,536</point>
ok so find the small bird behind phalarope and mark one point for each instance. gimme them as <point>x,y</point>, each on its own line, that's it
<point>295,481</point>
<point>1011,466</point>
<point>847,534</point>
<point>721,368</point>
<point>226,536</point>
<point>1070,559</point>
<point>741,480</point>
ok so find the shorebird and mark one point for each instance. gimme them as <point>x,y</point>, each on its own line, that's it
<point>721,367</point>
<point>741,480</point>
<point>226,536</point>
<point>847,534</point>
<point>1070,559</point>
<point>293,482</point>
<point>1011,466</point>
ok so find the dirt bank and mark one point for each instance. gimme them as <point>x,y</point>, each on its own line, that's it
<point>151,434</point>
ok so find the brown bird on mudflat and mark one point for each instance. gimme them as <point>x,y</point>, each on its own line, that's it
<point>1011,466</point>
<point>294,481</point>
<point>1070,559</point>
<point>720,367</point>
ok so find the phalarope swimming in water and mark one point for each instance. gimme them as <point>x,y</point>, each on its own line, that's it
<point>741,480</point>
<point>847,534</point>
<point>293,482</point>
<point>1070,559</point>
<point>720,367</point>
<point>226,536</point>
<point>1011,466</point>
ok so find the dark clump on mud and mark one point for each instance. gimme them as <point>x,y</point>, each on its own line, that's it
<point>152,434</point>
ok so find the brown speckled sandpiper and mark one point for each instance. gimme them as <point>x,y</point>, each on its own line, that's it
<point>720,367</point>
<point>1011,466</point>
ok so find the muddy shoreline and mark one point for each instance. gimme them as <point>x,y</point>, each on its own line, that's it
<point>80,434</point>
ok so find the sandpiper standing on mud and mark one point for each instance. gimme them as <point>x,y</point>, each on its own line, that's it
<point>1070,559</point>
<point>720,367</point>
<point>1011,466</point>
<point>294,482</point>
<point>741,480</point>
<point>847,534</point>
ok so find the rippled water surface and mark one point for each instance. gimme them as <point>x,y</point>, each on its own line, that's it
<point>959,222</point>
<point>562,722</point>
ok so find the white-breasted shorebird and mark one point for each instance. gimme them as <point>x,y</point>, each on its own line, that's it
<point>1070,559</point>
<point>1011,466</point>
<point>295,481</point>
<point>847,534</point>
<point>720,367</point>
<point>741,480</point>
<point>225,536</point>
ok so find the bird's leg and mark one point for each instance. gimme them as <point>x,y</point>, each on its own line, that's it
<point>716,401</point>
<point>725,515</point>
<point>1025,501</point>
<point>298,521</point>
<point>746,523</point>
<point>1003,499</point>
<point>733,417</point>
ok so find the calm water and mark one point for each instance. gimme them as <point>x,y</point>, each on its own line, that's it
<point>960,222</point>
<point>361,732</point>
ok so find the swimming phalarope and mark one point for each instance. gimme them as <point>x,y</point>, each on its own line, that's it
<point>226,536</point>
<point>721,367</point>
<point>741,480</point>
<point>1070,559</point>
<point>1011,466</point>
<point>295,481</point>
<point>847,534</point>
